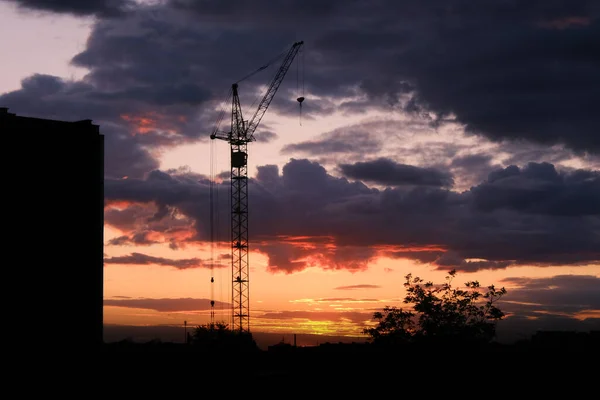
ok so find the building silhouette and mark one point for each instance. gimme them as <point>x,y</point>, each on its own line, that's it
<point>54,177</point>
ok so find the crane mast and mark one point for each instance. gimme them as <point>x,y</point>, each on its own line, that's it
<point>241,133</point>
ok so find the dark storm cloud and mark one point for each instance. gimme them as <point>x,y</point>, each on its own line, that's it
<point>520,152</point>
<point>304,217</point>
<point>354,287</point>
<point>539,188</point>
<point>165,305</point>
<point>147,225</point>
<point>422,256</point>
<point>103,8</point>
<point>453,57</point>
<point>450,260</point>
<point>157,72</point>
<point>387,172</point>
<point>473,161</point>
<point>172,56</point>
<point>510,84</point>
<point>156,76</point>
<point>138,239</point>
<point>562,293</point>
<point>129,217</point>
<point>159,95</point>
<point>144,259</point>
<point>471,169</point>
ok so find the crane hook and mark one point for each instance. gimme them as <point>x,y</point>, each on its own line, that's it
<point>300,100</point>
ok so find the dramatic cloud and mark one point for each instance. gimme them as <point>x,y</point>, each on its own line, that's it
<point>143,259</point>
<point>293,254</point>
<point>540,189</point>
<point>563,302</point>
<point>417,143</point>
<point>450,260</point>
<point>147,224</point>
<point>472,168</point>
<point>496,82</point>
<point>387,172</point>
<point>138,239</point>
<point>165,305</point>
<point>355,287</point>
<point>558,294</point>
<point>353,139</point>
<point>373,137</point>
<point>159,72</point>
<point>103,8</point>
<point>305,217</point>
<point>449,57</point>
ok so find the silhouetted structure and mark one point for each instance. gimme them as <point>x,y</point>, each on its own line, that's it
<point>58,194</point>
<point>240,134</point>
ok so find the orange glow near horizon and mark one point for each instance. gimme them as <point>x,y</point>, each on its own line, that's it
<point>314,301</point>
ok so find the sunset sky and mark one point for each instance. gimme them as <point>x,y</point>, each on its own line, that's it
<point>435,135</point>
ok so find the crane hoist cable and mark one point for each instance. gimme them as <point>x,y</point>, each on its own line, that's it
<point>300,99</point>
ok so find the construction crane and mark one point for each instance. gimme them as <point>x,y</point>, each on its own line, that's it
<point>241,133</point>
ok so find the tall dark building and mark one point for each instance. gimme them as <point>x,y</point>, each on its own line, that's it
<point>55,200</point>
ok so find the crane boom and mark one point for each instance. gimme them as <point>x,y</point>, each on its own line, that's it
<point>266,101</point>
<point>239,136</point>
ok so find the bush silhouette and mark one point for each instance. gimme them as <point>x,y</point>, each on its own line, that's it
<point>439,314</point>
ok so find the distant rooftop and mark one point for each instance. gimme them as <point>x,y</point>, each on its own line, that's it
<point>14,121</point>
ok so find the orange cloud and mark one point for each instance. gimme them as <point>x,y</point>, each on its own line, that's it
<point>410,249</point>
<point>151,121</point>
<point>585,314</point>
<point>289,253</point>
<point>117,204</point>
<point>143,124</point>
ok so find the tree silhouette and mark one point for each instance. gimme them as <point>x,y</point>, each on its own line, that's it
<point>218,336</point>
<point>440,314</point>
